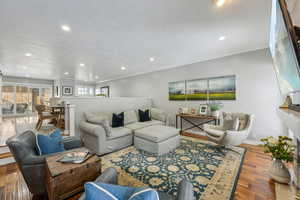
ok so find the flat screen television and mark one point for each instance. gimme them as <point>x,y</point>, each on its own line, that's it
<point>284,48</point>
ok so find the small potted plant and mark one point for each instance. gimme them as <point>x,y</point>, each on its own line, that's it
<point>215,109</point>
<point>281,149</point>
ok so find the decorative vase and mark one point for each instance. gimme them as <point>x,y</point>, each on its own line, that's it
<point>215,113</point>
<point>279,172</point>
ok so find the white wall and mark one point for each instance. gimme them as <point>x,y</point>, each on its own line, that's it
<point>257,89</point>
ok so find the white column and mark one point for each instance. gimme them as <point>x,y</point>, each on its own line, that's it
<point>70,120</point>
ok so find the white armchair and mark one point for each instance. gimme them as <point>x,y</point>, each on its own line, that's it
<point>223,136</point>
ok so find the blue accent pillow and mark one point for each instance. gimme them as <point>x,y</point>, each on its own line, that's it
<point>103,191</point>
<point>51,143</point>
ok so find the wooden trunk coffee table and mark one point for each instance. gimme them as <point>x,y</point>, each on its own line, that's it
<point>64,179</point>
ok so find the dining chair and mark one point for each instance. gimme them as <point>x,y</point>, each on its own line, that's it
<point>44,115</point>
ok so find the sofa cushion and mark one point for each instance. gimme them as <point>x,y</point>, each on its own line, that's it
<point>158,114</point>
<point>130,117</point>
<point>139,125</point>
<point>52,143</point>
<point>117,120</point>
<point>144,115</point>
<point>100,119</point>
<point>119,132</point>
<point>157,133</point>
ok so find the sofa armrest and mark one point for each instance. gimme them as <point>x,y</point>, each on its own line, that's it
<point>92,129</point>
<point>168,120</point>
<point>72,142</point>
<point>185,191</point>
<point>110,176</point>
<point>31,160</point>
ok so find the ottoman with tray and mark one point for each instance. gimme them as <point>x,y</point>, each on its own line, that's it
<point>157,139</point>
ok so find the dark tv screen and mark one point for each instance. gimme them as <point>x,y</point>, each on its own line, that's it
<point>284,49</point>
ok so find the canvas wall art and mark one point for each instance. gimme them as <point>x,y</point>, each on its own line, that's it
<point>177,90</point>
<point>222,88</point>
<point>214,88</point>
<point>197,89</point>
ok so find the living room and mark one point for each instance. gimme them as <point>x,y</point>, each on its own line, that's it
<point>142,100</point>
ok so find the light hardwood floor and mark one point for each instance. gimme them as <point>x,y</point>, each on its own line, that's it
<point>253,183</point>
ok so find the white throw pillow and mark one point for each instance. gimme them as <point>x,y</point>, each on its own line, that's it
<point>236,124</point>
<point>100,119</point>
<point>158,114</point>
<point>130,117</point>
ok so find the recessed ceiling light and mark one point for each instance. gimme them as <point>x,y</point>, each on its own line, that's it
<point>151,59</point>
<point>66,73</point>
<point>66,28</point>
<point>123,68</point>
<point>220,3</point>
<point>222,38</point>
<point>28,54</point>
<point>96,77</point>
<point>24,67</point>
<point>82,64</point>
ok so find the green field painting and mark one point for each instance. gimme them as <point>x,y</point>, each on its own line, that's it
<point>215,88</point>
<point>222,96</point>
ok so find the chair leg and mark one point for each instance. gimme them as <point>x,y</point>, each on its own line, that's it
<point>38,124</point>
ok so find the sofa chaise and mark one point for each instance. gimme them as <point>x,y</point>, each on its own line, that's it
<point>98,140</point>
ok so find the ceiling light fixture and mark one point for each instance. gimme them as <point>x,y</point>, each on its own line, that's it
<point>220,3</point>
<point>82,64</point>
<point>24,67</point>
<point>151,59</point>
<point>123,68</point>
<point>222,38</point>
<point>66,28</point>
<point>66,73</point>
<point>28,54</point>
<point>96,77</point>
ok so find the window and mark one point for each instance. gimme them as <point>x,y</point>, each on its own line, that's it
<point>104,91</point>
<point>85,91</point>
<point>22,99</point>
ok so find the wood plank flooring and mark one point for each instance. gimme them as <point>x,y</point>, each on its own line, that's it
<point>253,183</point>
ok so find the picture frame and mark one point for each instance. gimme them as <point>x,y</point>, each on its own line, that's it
<point>67,90</point>
<point>203,109</point>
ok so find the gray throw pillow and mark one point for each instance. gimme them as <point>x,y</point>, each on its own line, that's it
<point>158,114</point>
<point>130,117</point>
<point>99,119</point>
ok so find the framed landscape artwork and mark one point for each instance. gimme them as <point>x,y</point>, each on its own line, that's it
<point>197,89</point>
<point>222,88</point>
<point>177,90</point>
<point>215,88</point>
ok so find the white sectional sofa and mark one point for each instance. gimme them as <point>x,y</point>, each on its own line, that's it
<point>101,141</point>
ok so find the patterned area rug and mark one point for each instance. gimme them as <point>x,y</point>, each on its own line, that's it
<point>212,174</point>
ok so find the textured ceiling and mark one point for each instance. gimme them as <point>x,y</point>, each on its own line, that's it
<point>106,35</point>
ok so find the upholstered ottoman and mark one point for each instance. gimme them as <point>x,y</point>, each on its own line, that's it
<point>157,139</point>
